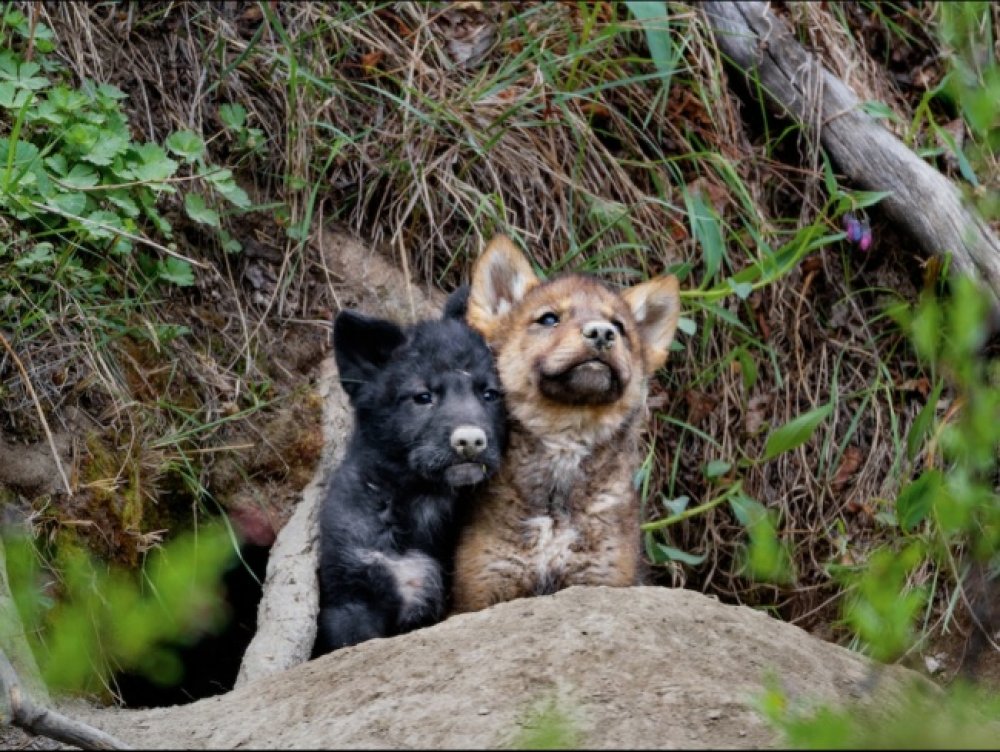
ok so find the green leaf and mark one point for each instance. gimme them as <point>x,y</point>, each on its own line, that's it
<point>22,169</point>
<point>707,232</point>
<point>669,553</point>
<point>175,270</point>
<point>40,255</point>
<point>922,423</point>
<point>795,432</point>
<point>28,80</point>
<point>148,201</point>
<point>107,91</point>
<point>676,506</point>
<point>57,163</point>
<point>66,99</point>
<point>46,112</point>
<point>966,315</point>
<point>155,165</point>
<point>24,152</point>
<point>746,510</point>
<point>925,328</point>
<point>916,499</point>
<point>229,243</point>
<point>81,176</point>
<point>101,225</point>
<point>196,208</point>
<point>8,64</point>
<point>829,179</point>
<point>235,195</point>
<point>71,203</point>
<point>725,314</point>
<point>186,144</point>
<point>81,138</point>
<point>879,110</point>
<point>109,145</point>
<point>25,75</point>
<point>748,368</point>
<point>11,97</point>
<point>742,289</point>
<point>687,326</point>
<point>233,116</point>
<point>123,201</point>
<point>715,468</point>
<point>656,23</point>
<point>864,199</point>
<point>766,558</point>
<point>963,162</point>
<point>880,606</point>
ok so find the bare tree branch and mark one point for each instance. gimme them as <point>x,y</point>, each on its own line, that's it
<point>922,200</point>
<point>19,709</point>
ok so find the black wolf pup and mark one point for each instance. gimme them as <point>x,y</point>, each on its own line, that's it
<point>429,425</point>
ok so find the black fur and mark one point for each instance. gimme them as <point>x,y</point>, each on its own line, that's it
<point>388,522</point>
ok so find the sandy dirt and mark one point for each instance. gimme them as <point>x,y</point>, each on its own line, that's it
<point>630,668</point>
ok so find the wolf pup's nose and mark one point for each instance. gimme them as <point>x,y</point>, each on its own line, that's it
<point>599,334</point>
<point>468,441</point>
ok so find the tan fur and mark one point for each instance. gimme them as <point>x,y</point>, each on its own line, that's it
<point>562,510</point>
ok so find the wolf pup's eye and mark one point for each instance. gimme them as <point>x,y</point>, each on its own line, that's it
<point>619,326</point>
<point>424,398</point>
<point>490,395</point>
<point>547,319</point>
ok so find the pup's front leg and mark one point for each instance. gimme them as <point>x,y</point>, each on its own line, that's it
<point>350,622</point>
<point>484,577</point>
<point>418,583</point>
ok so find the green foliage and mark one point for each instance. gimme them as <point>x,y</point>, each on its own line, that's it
<point>234,118</point>
<point>795,432</point>
<point>655,22</point>
<point>949,510</point>
<point>70,169</point>
<point>880,607</point>
<point>949,513</point>
<point>974,79</point>
<point>765,558</point>
<point>547,726</point>
<point>105,620</point>
<point>964,717</point>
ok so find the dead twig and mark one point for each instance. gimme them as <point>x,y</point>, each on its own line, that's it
<point>19,710</point>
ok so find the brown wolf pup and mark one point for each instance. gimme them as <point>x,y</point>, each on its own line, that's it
<point>573,357</point>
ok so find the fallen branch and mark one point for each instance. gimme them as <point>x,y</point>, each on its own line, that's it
<point>19,710</point>
<point>921,199</point>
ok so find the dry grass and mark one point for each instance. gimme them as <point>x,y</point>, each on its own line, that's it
<point>563,136</point>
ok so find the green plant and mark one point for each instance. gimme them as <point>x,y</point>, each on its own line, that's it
<point>547,725</point>
<point>106,619</point>
<point>948,516</point>
<point>763,558</point>
<point>71,172</point>
<point>964,717</point>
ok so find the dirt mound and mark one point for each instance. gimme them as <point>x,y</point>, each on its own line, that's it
<point>627,668</point>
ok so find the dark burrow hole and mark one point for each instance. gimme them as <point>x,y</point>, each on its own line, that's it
<point>212,662</point>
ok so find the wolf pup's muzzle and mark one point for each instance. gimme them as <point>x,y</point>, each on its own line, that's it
<point>469,443</point>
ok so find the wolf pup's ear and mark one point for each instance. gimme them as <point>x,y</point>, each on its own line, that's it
<point>457,304</point>
<point>501,277</point>
<point>656,306</point>
<point>362,346</point>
